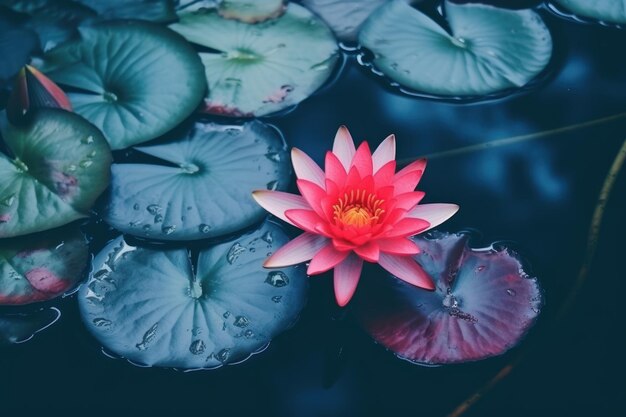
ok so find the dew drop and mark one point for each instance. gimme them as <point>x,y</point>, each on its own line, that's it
<point>168,230</point>
<point>8,202</point>
<point>226,314</point>
<point>147,337</point>
<point>147,227</point>
<point>136,206</point>
<point>85,164</point>
<point>277,279</point>
<point>88,140</point>
<point>241,321</point>
<point>234,252</point>
<point>511,292</point>
<point>158,218</point>
<point>273,156</point>
<point>272,185</point>
<point>154,209</point>
<point>480,268</point>
<point>100,322</point>
<point>197,347</point>
<point>248,334</point>
<point>222,355</point>
<point>71,168</point>
<point>277,298</point>
<point>204,228</point>
<point>267,237</point>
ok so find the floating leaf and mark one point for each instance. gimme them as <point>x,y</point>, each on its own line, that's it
<point>483,304</point>
<point>612,11</point>
<point>153,10</point>
<point>152,307</point>
<point>133,80</point>
<point>16,46</point>
<point>205,189</point>
<point>262,68</point>
<point>489,50</point>
<point>345,17</point>
<point>21,327</point>
<point>251,11</point>
<point>55,21</point>
<point>59,166</point>
<point>41,266</point>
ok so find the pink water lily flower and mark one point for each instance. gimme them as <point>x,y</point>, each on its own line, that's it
<point>358,209</point>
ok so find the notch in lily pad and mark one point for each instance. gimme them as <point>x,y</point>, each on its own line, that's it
<point>263,68</point>
<point>488,50</point>
<point>161,308</point>
<point>42,266</point>
<point>55,168</point>
<point>483,304</point>
<point>203,186</point>
<point>134,80</point>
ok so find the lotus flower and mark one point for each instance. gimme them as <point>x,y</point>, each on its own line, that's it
<point>358,209</point>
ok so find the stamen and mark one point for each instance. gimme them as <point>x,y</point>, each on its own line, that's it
<point>358,208</point>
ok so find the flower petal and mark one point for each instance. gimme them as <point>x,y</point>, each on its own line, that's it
<point>408,226</point>
<point>277,202</point>
<point>407,182</point>
<point>306,168</point>
<point>298,250</point>
<point>435,213</point>
<point>398,246</point>
<point>384,176</point>
<point>313,194</point>
<point>346,279</point>
<point>385,153</point>
<point>407,269</point>
<point>304,219</point>
<point>343,147</point>
<point>409,200</point>
<point>363,160</point>
<point>335,171</point>
<point>418,165</point>
<point>370,251</point>
<point>326,259</point>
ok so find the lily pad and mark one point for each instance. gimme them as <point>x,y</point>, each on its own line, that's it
<point>41,266</point>
<point>488,50</point>
<point>204,187</point>
<point>263,68</point>
<point>483,304</point>
<point>251,11</point>
<point>155,308</point>
<point>21,327</point>
<point>611,11</point>
<point>58,167</point>
<point>133,80</point>
<point>153,10</point>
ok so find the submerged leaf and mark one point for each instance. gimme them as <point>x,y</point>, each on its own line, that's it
<point>59,166</point>
<point>154,308</point>
<point>133,80</point>
<point>612,11</point>
<point>21,327</point>
<point>41,266</point>
<point>261,68</point>
<point>489,49</point>
<point>251,11</point>
<point>205,189</point>
<point>483,304</point>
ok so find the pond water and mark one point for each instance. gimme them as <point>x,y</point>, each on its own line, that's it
<point>538,192</point>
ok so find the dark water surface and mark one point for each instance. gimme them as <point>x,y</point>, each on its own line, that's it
<point>538,193</point>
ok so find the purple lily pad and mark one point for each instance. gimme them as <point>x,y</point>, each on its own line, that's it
<point>483,304</point>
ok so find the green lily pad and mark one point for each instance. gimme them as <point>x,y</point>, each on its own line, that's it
<point>133,80</point>
<point>612,11</point>
<point>262,68</point>
<point>251,11</point>
<point>153,10</point>
<point>205,190</point>
<point>489,49</point>
<point>154,308</point>
<point>41,266</point>
<point>55,21</point>
<point>60,165</point>
<point>21,327</point>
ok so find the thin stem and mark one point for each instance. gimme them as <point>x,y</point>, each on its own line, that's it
<point>583,274</point>
<point>514,139</point>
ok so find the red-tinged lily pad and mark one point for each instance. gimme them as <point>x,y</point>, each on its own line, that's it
<point>56,166</point>
<point>21,327</point>
<point>483,304</point>
<point>41,266</point>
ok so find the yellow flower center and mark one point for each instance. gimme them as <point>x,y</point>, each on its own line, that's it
<point>358,208</point>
